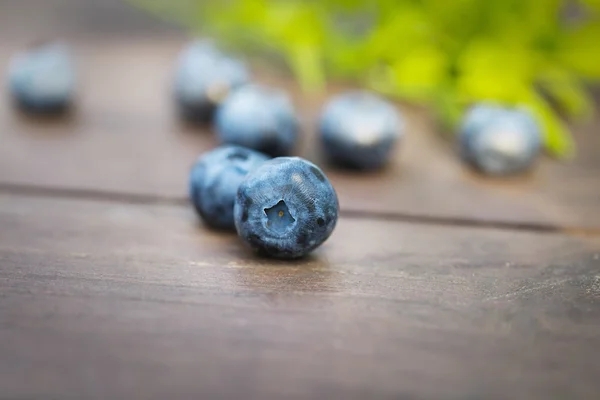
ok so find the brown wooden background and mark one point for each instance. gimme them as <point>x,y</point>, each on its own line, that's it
<point>437,283</point>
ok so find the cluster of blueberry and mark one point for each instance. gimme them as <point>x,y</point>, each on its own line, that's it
<point>284,207</point>
<point>358,129</point>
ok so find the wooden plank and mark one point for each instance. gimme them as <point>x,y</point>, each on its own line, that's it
<point>101,299</point>
<point>35,19</point>
<point>125,137</point>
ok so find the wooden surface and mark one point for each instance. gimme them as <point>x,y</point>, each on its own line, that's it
<point>111,299</point>
<point>436,284</point>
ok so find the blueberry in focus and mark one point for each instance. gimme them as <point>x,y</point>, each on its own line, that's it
<point>214,181</point>
<point>498,140</point>
<point>285,208</point>
<point>260,118</point>
<point>42,78</point>
<point>204,76</point>
<point>359,130</point>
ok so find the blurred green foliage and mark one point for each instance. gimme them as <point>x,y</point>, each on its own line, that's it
<point>446,54</point>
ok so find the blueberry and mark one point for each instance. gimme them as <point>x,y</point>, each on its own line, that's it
<point>285,208</point>
<point>42,79</point>
<point>260,118</point>
<point>499,140</point>
<point>204,76</point>
<point>214,181</point>
<point>359,130</point>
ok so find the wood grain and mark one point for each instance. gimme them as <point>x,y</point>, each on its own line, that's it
<point>125,137</point>
<point>102,299</point>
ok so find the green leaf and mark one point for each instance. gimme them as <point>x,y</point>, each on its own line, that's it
<point>567,92</point>
<point>486,71</point>
<point>557,138</point>
<point>397,33</point>
<point>306,63</point>
<point>418,75</point>
<point>580,51</point>
<point>593,4</point>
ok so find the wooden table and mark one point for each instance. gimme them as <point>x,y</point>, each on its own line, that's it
<point>437,283</point>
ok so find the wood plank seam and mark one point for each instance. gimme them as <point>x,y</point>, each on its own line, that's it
<point>131,198</point>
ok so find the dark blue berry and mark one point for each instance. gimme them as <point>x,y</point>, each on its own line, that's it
<point>498,140</point>
<point>42,79</point>
<point>285,208</point>
<point>260,118</point>
<point>204,76</point>
<point>359,130</point>
<point>214,181</point>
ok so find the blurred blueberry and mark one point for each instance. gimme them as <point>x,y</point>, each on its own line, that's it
<point>204,76</point>
<point>474,120</point>
<point>42,79</point>
<point>260,118</point>
<point>359,130</point>
<point>499,141</point>
<point>285,208</point>
<point>214,181</point>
